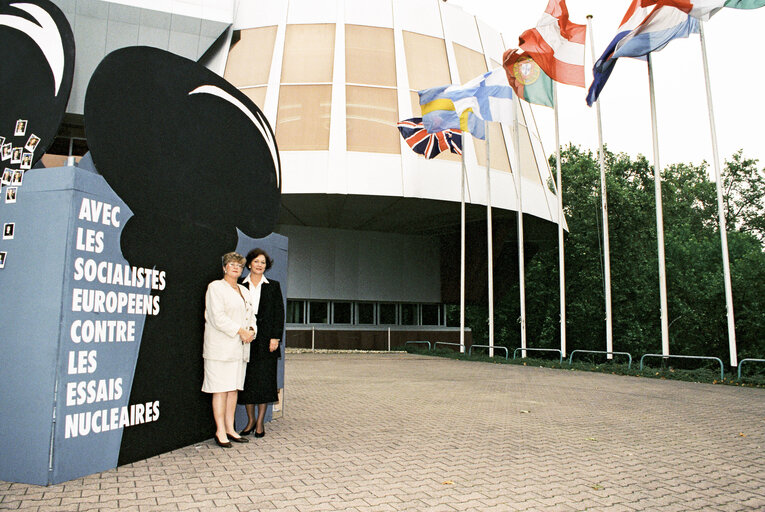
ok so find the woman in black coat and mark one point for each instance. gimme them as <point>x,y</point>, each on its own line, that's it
<point>260,379</point>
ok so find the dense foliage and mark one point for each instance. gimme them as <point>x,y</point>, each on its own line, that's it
<point>696,298</point>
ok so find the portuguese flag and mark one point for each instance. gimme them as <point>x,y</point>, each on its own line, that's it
<point>527,78</point>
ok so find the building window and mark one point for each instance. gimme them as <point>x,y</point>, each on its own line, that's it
<point>470,63</point>
<point>249,59</point>
<point>318,312</point>
<point>387,313</point>
<point>342,313</point>
<point>430,314</point>
<point>371,117</point>
<point>426,61</point>
<point>529,167</point>
<point>371,112</point>
<point>409,314</point>
<point>370,58</point>
<point>256,94</point>
<point>308,54</point>
<point>295,311</point>
<point>499,158</point>
<point>302,119</point>
<point>365,313</point>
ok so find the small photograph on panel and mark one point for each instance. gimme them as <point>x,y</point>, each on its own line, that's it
<point>32,143</point>
<point>21,127</point>
<point>16,155</point>
<point>2,259</point>
<point>18,178</point>
<point>26,161</point>
<point>2,140</point>
<point>5,151</point>
<point>7,176</point>
<point>8,229</point>
<point>10,194</point>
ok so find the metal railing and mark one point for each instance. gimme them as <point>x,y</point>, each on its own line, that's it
<point>413,342</point>
<point>436,344</point>
<point>740,363</point>
<point>540,350</point>
<point>571,355</point>
<point>722,370</point>
<point>495,347</point>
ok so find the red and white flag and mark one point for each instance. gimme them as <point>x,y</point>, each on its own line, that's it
<point>557,45</point>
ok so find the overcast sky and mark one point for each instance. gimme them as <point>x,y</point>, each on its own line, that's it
<point>733,38</point>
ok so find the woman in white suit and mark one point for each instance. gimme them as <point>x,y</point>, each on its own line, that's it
<point>228,332</point>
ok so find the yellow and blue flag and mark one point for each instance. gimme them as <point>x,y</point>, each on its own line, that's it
<point>487,97</point>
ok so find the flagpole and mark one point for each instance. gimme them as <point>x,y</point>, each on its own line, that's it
<point>462,253</point>
<point>720,207</point>
<point>659,216</point>
<point>521,262</point>
<point>604,212</point>
<point>489,249</point>
<point>561,252</point>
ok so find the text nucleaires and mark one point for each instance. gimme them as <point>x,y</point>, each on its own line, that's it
<point>104,420</point>
<point>100,222</point>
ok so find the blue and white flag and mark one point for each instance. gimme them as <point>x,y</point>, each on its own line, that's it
<point>488,97</point>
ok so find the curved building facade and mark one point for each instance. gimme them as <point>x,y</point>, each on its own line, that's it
<point>373,227</point>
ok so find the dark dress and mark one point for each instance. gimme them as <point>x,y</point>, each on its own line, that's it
<point>260,379</point>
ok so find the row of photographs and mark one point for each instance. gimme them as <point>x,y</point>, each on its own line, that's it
<point>17,155</point>
<point>13,177</point>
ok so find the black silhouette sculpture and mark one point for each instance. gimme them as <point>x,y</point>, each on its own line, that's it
<point>194,159</point>
<point>36,71</point>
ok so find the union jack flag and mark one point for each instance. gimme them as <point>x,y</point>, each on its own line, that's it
<point>427,144</point>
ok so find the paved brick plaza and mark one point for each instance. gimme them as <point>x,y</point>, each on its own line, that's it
<point>377,432</point>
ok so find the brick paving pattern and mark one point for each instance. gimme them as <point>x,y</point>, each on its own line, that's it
<point>399,432</point>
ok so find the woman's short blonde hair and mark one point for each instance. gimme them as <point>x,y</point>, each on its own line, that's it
<point>233,256</point>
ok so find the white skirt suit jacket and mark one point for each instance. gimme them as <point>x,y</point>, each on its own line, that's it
<point>225,313</point>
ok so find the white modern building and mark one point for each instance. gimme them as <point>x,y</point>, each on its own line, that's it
<point>373,227</point>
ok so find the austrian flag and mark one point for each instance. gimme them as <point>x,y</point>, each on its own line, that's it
<point>557,45</point>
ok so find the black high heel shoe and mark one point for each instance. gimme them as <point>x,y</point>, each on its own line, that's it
<point>222,444</point>
<point>246,432</point>
<point>260,434</point>
<point>238,439</point>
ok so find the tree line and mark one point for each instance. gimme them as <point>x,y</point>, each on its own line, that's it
<point>695,288</point>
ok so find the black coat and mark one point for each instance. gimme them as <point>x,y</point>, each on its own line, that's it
<point>270,319</point>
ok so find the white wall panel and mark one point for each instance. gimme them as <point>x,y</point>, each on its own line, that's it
<point>304,172</point>
<point>420,16</point>
<point>374,14</point>
<point>433,179</point>
<point>312,11</point>
<point>492,42</point>
<point>460,28</point>
<point>374,174</point>
<point>257,13</point>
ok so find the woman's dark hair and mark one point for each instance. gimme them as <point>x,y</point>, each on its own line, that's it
<point>257,252</point>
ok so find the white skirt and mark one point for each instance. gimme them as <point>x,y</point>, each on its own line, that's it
<point>222,376</point>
